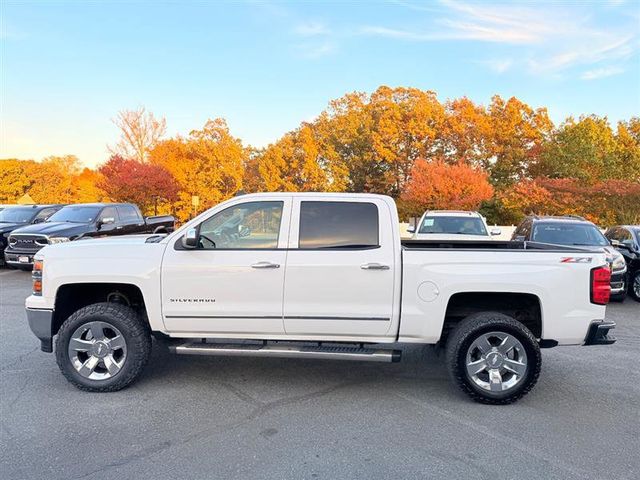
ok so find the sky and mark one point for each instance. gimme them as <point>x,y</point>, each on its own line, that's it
<point>67,67</point>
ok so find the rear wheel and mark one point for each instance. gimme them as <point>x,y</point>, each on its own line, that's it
<point>103,347</point>
<point>493,358</point>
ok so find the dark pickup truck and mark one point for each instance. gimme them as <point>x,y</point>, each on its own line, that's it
<point>13,217</point>
<point>74,222</point>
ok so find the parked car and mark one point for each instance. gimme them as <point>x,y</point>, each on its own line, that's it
<point>452,225</point>
<point>86,220</point>
<point>13,217</point>
<point>312,275</point>
<point>626,238</point>
<point>575,231</point>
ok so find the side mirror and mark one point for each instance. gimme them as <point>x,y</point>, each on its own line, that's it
<point>495,232</point>
<point>190,239</point>
<point>38,220</point>
<point>411,229</point>
<point>519,238</point>
<point>106,221</point>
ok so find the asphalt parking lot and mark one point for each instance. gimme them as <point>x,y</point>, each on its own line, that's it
<point>199,417</point>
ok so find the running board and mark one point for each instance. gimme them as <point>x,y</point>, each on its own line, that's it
<point>288,351</point>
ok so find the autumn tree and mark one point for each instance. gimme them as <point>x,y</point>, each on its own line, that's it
<point>606,202</point>
<point>584,149</point>
<point>15,179</point>
<point>140,132</point>
<point>517,135</point>
<point>129,180</point>
<point>438,185</point>
<point>208,164</point>
<point>467,134</point>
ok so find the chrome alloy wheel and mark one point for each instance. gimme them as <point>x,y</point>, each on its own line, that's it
<point>496,361</point>
<point>97,350</point>
<point>636,286</point>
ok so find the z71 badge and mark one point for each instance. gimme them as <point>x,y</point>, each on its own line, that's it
<point>576,260</point>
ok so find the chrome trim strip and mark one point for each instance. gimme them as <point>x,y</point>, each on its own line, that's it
<point>284,351</point>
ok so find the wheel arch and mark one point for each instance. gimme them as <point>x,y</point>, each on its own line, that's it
<point>71,297</point>
<point>523,307</point>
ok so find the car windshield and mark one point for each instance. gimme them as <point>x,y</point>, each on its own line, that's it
<point>17,214</point>
<point>635,230</point>
<point>75,214</point>
<point>453,225</point>
<point>569,234</point>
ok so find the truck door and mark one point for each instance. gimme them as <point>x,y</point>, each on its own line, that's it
<point>340,268</point>
<point>233,282</point>
<point>131,221</point>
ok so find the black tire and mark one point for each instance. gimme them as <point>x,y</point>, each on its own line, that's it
<point>462,339</point>
<point>135,331</point>
<point>632,281</point>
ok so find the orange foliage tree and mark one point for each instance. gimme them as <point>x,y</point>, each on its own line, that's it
<point>438,185</point>
<point>605,202</point>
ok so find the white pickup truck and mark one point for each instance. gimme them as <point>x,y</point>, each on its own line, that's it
<point>315,275</point>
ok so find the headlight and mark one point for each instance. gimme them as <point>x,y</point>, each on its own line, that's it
<point>54,240</point>
<point>618,263</point>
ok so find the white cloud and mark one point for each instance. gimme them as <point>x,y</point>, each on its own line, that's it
<point>550,39</point>
<point>316,50</point>
<point>499,65</point>
<point>601,73</point>
<point>311,29</point>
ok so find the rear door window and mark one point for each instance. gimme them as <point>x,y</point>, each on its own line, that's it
<point>347,225</point>
<point>128,214</point>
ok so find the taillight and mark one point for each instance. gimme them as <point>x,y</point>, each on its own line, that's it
<point>36,275</point>
<point>600,285</point>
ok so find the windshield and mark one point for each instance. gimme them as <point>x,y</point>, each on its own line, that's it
<point>75,214</point>
<point>17,214</point>
<point>453,225</point>
<point>569,234</point>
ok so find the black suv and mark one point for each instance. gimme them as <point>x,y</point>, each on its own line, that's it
<point>16,216</point>
<point>575,231</point>
<point>626,238</point>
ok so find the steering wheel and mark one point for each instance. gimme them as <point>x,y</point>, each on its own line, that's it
<point>208,240</point>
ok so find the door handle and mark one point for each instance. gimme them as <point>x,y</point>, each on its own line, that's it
<point>265,265</point>
<point>374,266</point>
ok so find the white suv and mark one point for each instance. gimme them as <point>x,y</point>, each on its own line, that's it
<point>452,225</point>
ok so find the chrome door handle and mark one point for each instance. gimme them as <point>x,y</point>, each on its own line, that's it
<point>265,265</point>
<point>374,266</point>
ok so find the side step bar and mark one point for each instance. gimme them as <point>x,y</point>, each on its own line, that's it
<point>288,351</point>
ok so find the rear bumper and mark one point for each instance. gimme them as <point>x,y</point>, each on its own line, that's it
<point>41,324</point>
<point>598,334</point>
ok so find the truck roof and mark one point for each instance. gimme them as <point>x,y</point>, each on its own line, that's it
<point>451,213</point>
<point>316,194</point>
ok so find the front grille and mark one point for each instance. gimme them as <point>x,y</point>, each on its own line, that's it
<point>29,243</point>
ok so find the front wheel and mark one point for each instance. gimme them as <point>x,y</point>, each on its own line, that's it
<point>493,358</point>
<point>103,347</point>
<point>634,287</point>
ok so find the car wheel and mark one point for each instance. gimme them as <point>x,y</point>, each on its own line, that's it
<point>493,358</point>
<point>103,347</point>
<point>634,287</point>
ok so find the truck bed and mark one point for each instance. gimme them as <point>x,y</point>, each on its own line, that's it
<point>489,245</point>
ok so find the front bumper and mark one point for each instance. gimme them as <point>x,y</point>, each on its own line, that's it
<point>598,334</point>
<point>19,258</point>
<point>41,324</point>
<point>618,285</point>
